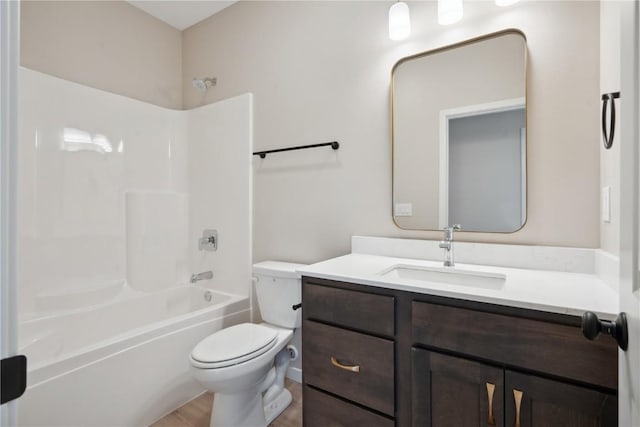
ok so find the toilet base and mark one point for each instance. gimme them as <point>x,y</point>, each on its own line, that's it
<point>238,409</point>
<point>277,405</point>
<point>245,409</point>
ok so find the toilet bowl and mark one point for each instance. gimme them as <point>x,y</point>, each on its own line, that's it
<point>245,364</point>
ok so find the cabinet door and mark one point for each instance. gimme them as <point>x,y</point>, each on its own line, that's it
<point>450,391</point>
<point>534,401</point>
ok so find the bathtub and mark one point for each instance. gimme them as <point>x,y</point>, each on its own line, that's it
<point>112,356</point>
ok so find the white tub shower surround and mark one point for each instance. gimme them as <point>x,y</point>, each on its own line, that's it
<point>113,196</point>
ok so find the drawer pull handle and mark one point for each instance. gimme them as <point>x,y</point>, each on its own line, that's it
<point>490,418</point>
<point>334,362</point>
<point>517,396</point>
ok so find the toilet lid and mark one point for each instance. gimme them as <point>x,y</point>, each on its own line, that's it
<point>234,345</point>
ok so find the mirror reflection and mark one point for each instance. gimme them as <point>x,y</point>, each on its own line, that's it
<point>459,136</point>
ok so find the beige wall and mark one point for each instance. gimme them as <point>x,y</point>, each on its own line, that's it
<point>108,45</point>
<point>610,82</point>
<point>321,71</point>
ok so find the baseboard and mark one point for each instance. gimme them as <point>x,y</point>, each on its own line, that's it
<point>295,374</point>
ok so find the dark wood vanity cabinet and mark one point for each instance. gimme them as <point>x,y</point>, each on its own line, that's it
<point>538,371</point>
<point>348,361</point>
<point>452,391</point>
<point>430,361</point>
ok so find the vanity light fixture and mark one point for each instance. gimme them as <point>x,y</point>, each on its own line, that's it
<point>506,2</point>
<point>399,21</point>
<point>449,11</point>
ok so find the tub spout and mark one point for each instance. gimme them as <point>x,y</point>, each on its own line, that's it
<point>201,276</point>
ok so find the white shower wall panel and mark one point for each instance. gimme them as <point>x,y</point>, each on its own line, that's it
<point>157,232</point>
<point>220,190</point>
<point>82,149</point>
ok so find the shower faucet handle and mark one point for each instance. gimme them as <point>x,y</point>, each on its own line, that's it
<point>208,241</point>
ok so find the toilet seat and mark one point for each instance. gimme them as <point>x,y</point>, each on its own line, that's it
<point>233,345</point>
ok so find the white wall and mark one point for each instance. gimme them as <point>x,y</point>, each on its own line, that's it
<point>320,71</point>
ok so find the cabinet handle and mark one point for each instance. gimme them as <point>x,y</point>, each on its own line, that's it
<point>517,396</point>
<point>355,368</point>
<point>490,418</point>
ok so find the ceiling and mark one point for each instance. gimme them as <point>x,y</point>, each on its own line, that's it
<point>181,14</point>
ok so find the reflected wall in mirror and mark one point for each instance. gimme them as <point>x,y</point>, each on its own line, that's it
<point>459,136</point>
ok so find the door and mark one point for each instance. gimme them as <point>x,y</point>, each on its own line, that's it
<point>534,401</point>
<point>12,374</point>
<point>629,361</point>
<point>450,391</point>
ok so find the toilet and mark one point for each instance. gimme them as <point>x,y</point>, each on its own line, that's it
<point>245,364</point>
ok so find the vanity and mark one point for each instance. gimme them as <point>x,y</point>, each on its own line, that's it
<point>398,334</point>
<point>393,340</point>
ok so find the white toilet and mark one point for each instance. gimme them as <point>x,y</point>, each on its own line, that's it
<point>245,365</point>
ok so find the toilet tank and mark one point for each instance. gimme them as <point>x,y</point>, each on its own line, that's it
<point>278,287</point>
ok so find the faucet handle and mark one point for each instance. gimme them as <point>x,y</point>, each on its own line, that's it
<point>448,231</point>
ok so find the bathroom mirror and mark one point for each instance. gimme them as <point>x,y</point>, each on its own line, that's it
<point>458,118</point>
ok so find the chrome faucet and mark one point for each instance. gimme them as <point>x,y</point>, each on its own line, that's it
<point>447,244</point>
<point>201,276</point>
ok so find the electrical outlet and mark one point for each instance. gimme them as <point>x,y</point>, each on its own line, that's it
<point>403,209</point>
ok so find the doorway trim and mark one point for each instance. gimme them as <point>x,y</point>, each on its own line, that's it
<point>443,146</point>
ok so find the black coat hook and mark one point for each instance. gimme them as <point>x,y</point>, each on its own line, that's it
<point>608,136</point>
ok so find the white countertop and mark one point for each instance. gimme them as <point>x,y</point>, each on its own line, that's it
<point>551,291</point>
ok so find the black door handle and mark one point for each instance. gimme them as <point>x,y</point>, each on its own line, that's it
<point>592,327</point>
<point>13,372</point>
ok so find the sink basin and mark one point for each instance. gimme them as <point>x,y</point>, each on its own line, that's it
<point>446,275</point>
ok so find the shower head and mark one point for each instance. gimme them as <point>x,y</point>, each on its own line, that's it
<point>203,84</point>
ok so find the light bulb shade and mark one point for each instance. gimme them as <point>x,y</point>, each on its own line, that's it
<point>399,21</point>
<point>449,11</point>
<point>506,2</point>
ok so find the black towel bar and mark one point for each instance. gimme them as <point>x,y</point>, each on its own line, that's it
<point>263,154</point>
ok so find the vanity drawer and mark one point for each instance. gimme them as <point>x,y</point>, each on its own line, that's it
<point>541,346</point>
<point>352,309</point>
<point>323,410</point>
<point>325,347</point>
